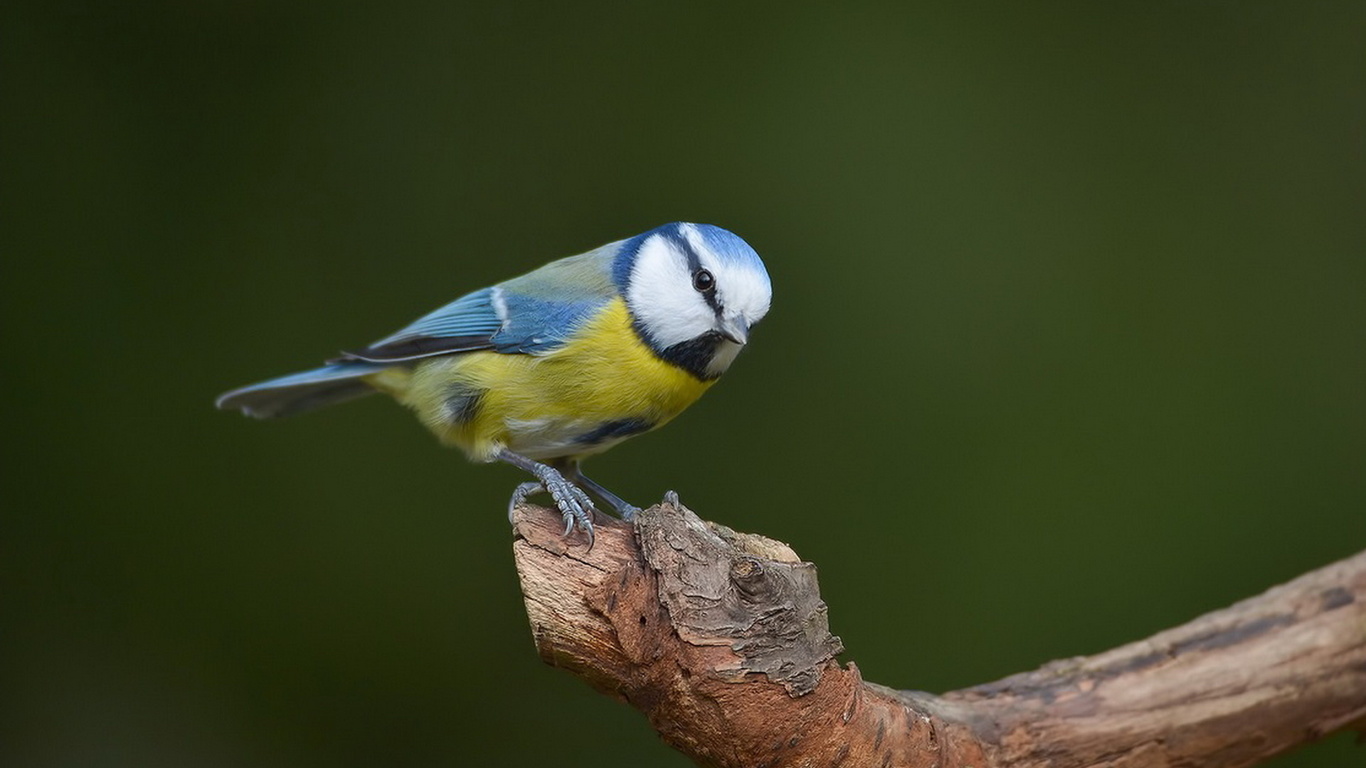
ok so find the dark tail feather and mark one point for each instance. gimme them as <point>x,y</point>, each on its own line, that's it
<point>301,392</point>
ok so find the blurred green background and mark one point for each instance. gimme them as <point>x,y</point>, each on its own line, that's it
<point>1066,346</point>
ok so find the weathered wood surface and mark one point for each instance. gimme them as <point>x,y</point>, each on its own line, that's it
<point>721,640</point>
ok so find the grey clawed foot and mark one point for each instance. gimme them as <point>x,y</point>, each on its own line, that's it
<point>574,505</point>
<point>671,498</point>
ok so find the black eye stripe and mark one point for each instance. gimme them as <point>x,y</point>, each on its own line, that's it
<point>708,290</point>
<point>694,267</point>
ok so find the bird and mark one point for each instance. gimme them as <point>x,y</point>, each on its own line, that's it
<point>564,362</point>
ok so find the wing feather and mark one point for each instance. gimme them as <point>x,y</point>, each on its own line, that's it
<point>531,314</point>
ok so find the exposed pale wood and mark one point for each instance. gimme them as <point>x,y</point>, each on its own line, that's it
<point>721,640</point>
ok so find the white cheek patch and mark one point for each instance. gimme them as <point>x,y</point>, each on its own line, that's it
<point>662,298</point>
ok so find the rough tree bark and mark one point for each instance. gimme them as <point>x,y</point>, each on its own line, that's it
<point>721,640</point>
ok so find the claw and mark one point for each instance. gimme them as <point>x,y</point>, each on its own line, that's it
<point>521,493</point>
<point>573,503</point>
<point>569,499</point>
<point>585,503</point>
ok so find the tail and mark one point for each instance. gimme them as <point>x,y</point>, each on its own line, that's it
<point>300,392</point>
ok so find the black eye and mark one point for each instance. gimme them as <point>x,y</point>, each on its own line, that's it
<point>703,281</point>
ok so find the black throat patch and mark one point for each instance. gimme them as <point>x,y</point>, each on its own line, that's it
<point>693,355</point>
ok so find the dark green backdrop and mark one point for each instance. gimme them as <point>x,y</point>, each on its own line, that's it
<point>1066,346</point>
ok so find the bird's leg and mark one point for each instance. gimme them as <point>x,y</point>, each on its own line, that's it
<point>625,509</point>
<point>574,505</point>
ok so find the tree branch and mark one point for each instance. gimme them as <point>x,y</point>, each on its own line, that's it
<point>721,640</point>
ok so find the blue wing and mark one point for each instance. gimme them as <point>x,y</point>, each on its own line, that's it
<point>466,324</point>
<point>531,314</point>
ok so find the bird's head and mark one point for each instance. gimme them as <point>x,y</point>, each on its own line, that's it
<point>694,292</point>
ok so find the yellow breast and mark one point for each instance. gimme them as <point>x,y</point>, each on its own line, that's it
<point>579,399</point>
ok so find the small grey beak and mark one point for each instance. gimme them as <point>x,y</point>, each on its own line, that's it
<point>737,330</point>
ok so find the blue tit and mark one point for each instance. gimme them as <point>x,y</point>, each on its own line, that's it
<point>564,362</point>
